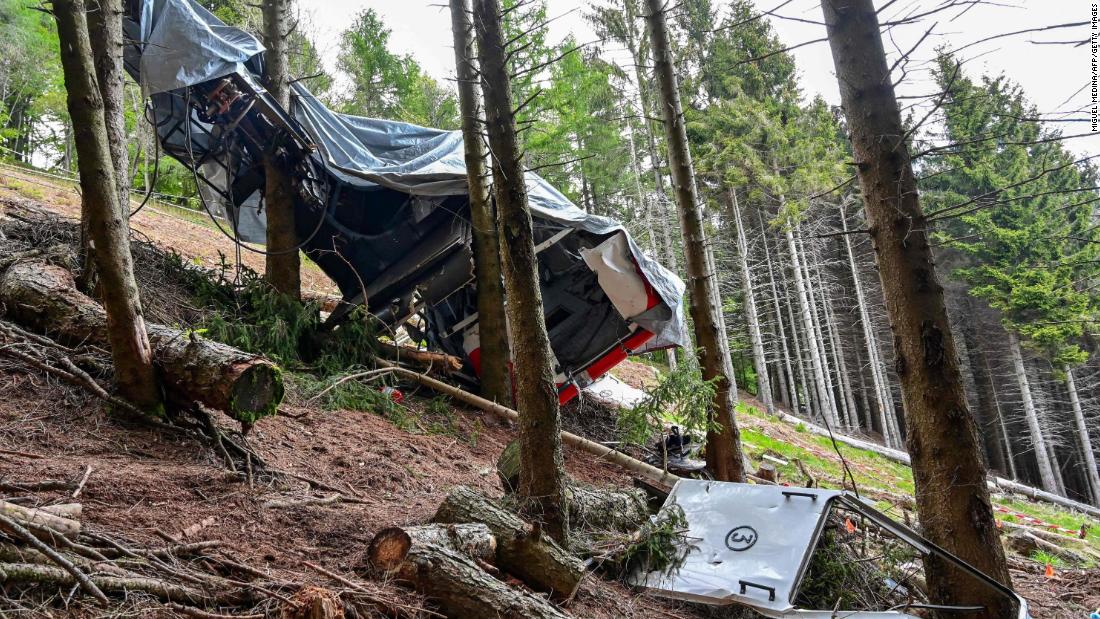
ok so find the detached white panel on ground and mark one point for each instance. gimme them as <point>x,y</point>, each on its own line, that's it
<point>750,545</point>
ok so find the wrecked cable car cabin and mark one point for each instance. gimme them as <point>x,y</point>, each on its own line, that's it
<point>382,206</point>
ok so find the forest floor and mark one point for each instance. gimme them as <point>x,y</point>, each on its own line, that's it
<point>144,483</point>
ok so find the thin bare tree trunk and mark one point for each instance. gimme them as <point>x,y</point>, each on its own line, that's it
<point>948,470</point>
<point>792,389</point>
<point>763,381</point>
<point>283,263</point>
<point>542,476</point>
<point>806,313</point>
<point>723,449</point>
<point>1087,452</point>
<point>1010,457</point>
<point>657,206</point>
<point>1031,415</point>
<point>819,335</point>
<point>882,391</point>
<point>496,384</point>
<point>108,229</point>
<point>851,416</point>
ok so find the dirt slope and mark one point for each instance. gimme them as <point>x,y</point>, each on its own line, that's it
<point>144,481</point>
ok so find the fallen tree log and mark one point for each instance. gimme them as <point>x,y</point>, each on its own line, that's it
<point>995,483</point>
<point>66,527</point>
<point>462,589</point>
<point>245,386</point>
<point>30,573</point>
<point>522,549</point>
<point>391,546</point>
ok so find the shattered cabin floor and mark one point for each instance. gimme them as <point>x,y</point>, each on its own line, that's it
<point>144,481</point>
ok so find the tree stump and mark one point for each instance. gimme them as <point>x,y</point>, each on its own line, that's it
<point>591,508</point>
<point>313,603</point>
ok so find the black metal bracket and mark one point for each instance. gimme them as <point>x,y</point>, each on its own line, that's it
<point>792,493</point>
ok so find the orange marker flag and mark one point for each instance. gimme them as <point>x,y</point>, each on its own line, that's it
<point>849,526</point>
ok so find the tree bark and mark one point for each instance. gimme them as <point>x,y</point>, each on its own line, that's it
<point>1031,415</point>
<point>948,470</point>
<point>496,382</point>
<point>108,229</point>
<point>61,525</point>
<point>1087,452</point>
<point>760,361</point>
<point>724,457</point>
<point>105,36</point>
<point>193,369</point>
<point>542,481</point>
<point>522,550</point>
<point>282,263</point>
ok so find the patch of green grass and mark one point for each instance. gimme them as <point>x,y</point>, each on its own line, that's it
<point>1051,514</point>
<point>1046,558</point>
<point>26,190</point>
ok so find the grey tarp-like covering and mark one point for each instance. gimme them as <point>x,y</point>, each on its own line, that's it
<point>184,45</point>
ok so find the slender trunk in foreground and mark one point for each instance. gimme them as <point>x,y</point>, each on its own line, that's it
<point>542,476</point>
<point>496,384</point>
<point>724,440</point>
<point>108,229</point>
<point>283,263</point>
<point>948,470</point>
<point>105,36</point>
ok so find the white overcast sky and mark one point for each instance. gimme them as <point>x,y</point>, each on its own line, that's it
<point>1055,77</point>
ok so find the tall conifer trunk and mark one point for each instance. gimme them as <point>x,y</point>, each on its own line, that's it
<point>542,475</point>
<point>107,227</point>
<point>283,264</point>
<point>763,381</point>
<point>724,442</point>
<point>1087,453</point>
<point>884,402</point>
<point>492,323</point>
<point>948,470</point>
<point>1031,415</point>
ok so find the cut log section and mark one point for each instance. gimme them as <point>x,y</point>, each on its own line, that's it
<point>522,550</point>
<point>461,588</point>
<point>37,518</point>
<point>390,547</point>
<point>193,369</point>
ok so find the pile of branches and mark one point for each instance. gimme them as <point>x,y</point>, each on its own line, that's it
<point>858,565</point>
<point>49,558</point>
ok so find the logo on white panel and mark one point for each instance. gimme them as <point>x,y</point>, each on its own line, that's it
<point>741,539</point>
